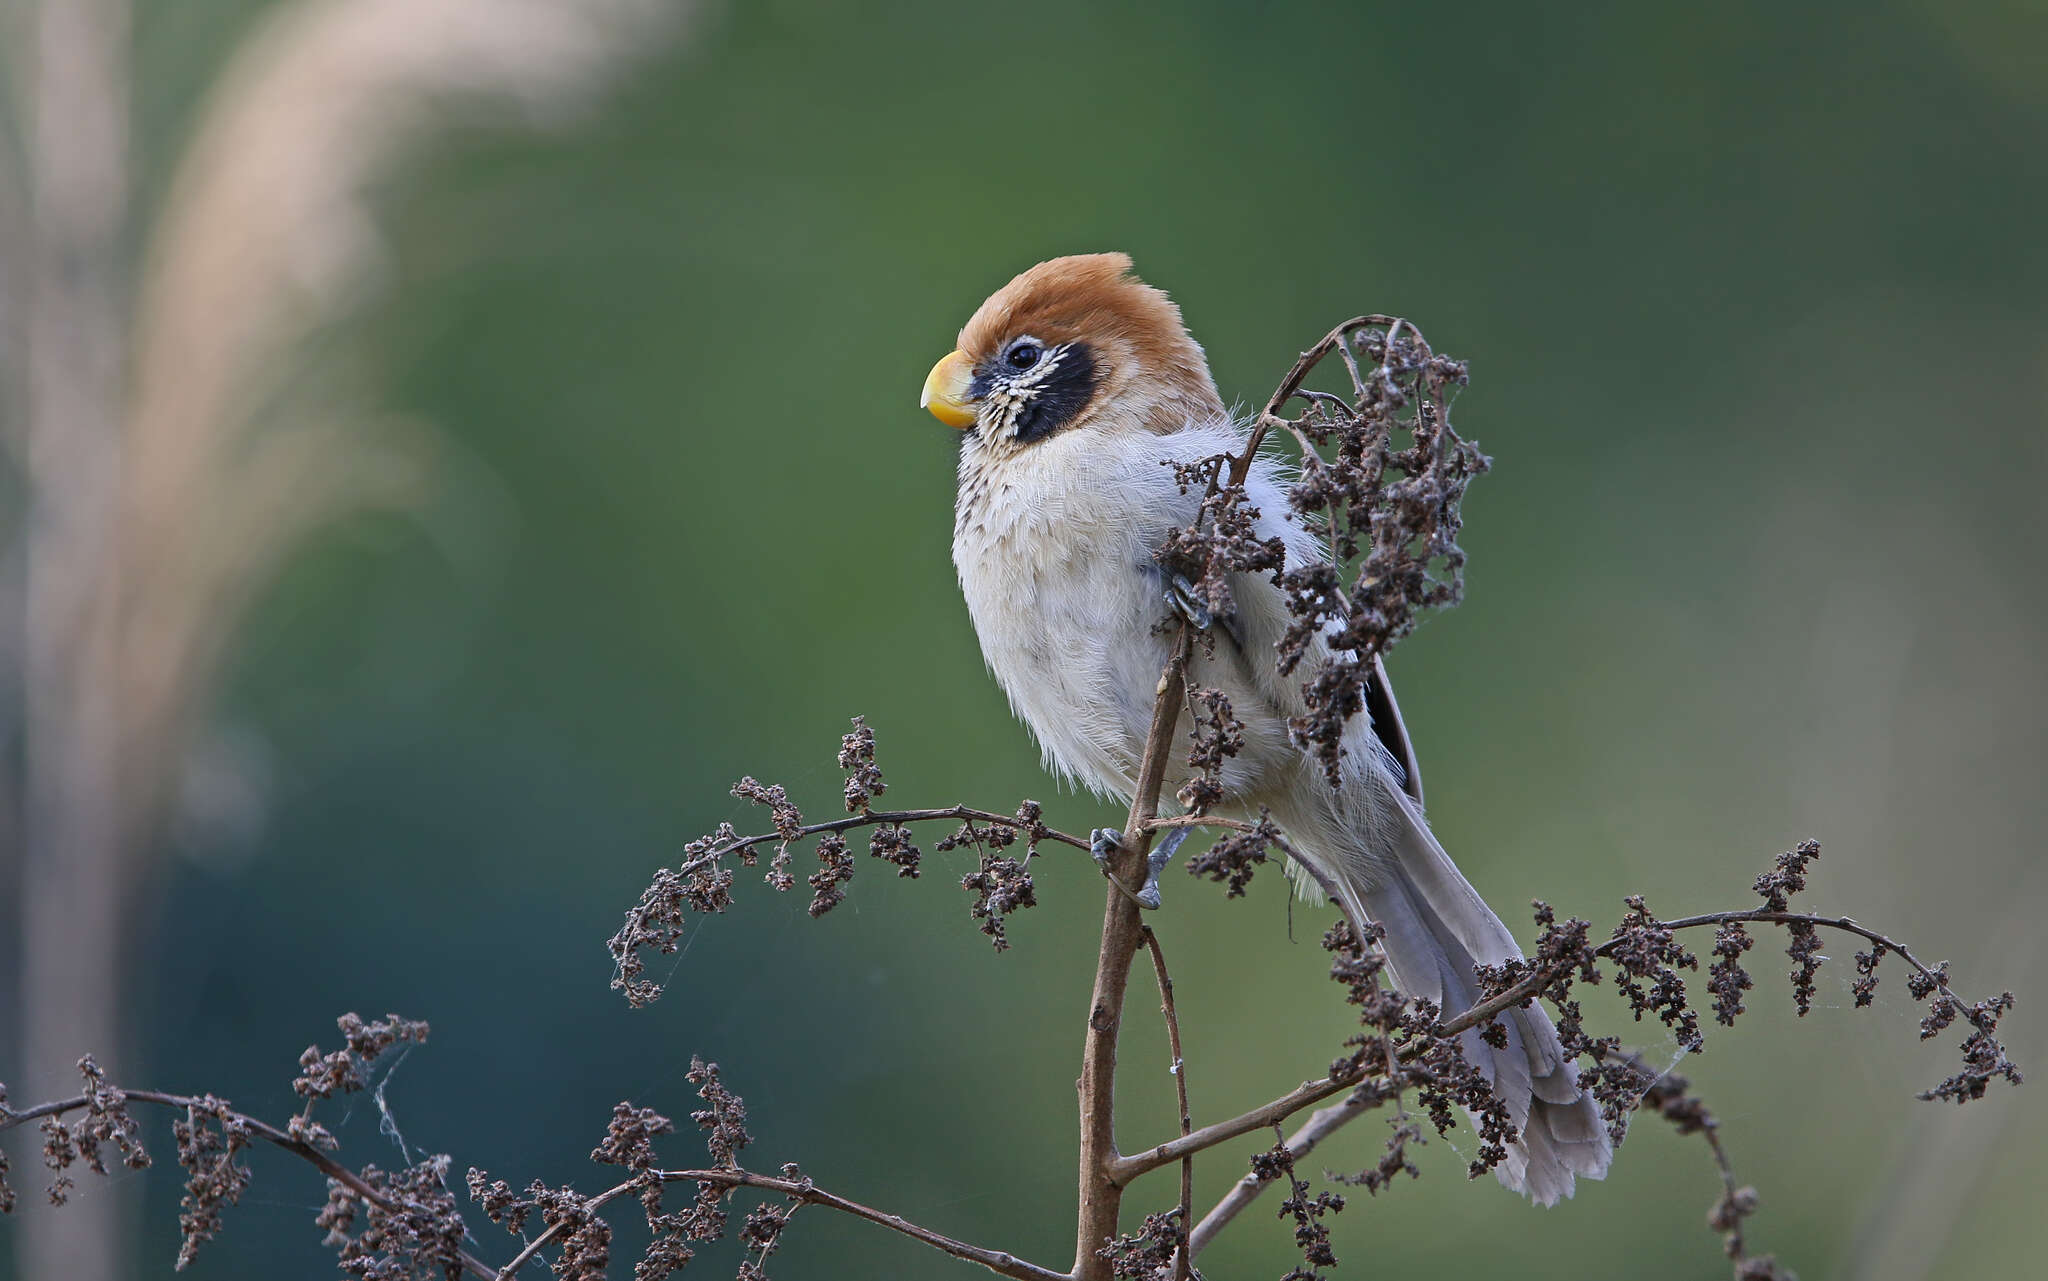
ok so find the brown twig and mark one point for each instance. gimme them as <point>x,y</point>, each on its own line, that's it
<point>1100,1192</point>
<point>1184,1260</point>
<point>876,818</point>
<point>1267,1114</point>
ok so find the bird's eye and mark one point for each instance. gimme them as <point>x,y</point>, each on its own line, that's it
<point>1024,355</point>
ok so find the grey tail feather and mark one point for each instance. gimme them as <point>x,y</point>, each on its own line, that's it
<point>1437,927</point>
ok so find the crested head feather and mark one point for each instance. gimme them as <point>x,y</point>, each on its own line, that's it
<point>1151,368</point>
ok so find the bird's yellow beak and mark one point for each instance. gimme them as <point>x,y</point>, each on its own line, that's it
<point>945,391</point>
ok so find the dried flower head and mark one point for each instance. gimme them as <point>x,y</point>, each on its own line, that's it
<point>1394,1161</point>
<point>1148,1254</point>
<point>828,883</point>
<point>343,1071</point>
<point>104,1120</point>
<point>892,844</point>
<point>1650,957</point>
<point>724,1118</point>
<point>857,757</point>
<point>1726,978</point>
<point>1232,860</point>
<point>209,1137</point>
<point>1000,886</point>
<point>1216,736</point>
<point>412,1226</point>
<point>1306,1207</point>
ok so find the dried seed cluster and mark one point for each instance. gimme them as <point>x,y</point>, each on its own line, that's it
<point>573,1222</point>
<point>1148,1254</point>
<point>411,1224</point>
<point>105,1122</point>
<point>1388,512</point>
<point>1216,736</point>
<point>702,882</point>
<point>857,757</point>
<point>1306,1207</point>
<point>1399,1048</point>
<point>1232,860</point>
<point>1000,884</point>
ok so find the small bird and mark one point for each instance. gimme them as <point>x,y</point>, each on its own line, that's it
<point>1073,386</point>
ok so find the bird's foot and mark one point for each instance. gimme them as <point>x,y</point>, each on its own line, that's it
<point>1103,843</point>
<point>1185,601</point>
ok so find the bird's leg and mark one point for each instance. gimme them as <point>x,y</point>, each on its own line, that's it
<point>1163,851</point>
<point>1104,841</point>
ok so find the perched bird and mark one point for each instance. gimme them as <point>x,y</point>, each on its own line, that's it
<point>1072,386</point>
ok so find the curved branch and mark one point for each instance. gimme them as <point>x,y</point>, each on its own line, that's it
<point>1290,386</point>
<point>875,818</point>
<point>1266,1114</point>
<point>1536,980</point>
<point>1000,1262</point>
<point>1132,1167</point>
<point>319,1160</point>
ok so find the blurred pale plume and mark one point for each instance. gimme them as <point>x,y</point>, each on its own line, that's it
<point>169,461</point>
<point>268,235</point>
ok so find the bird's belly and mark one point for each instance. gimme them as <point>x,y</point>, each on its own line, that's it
<point>1070,629</point>
<point>1078,644</point>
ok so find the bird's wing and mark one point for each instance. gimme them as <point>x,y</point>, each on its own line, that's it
<point>1254,655</point>
<point>1262,617</point>
<point>1389,728</point>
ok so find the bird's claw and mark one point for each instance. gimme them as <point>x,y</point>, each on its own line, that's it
<point>1103,842</point>
<point>1184,600</point>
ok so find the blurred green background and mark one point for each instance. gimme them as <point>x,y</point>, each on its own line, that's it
<point>1752,296</point>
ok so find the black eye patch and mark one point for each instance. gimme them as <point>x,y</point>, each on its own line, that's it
<point>1063,392</point>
